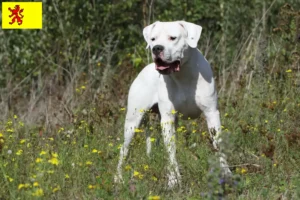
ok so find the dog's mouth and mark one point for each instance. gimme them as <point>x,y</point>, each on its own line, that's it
<point>166,68</point>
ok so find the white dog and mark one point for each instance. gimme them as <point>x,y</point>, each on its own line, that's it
<point>180,81</point>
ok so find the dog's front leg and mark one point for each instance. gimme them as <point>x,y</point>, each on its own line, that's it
<point>168,132</point>
<point>214,126</point>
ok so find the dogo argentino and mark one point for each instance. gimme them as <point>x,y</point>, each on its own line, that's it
<point>180,79</point>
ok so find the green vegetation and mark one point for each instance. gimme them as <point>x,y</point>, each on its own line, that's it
<point>64,89</point>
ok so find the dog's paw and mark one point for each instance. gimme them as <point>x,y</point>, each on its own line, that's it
<point>226,172</point>
<point>173,181</point>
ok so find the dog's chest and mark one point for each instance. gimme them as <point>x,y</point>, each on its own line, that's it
<point>186,99</point>
<point>188,102</point>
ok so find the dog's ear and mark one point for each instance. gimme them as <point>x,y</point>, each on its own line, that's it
<point>146,33</point>
<point>193,33</point>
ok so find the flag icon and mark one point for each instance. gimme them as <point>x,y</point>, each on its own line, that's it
<point>22,15</point>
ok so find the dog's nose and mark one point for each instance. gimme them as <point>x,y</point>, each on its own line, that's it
<point>157,49</point>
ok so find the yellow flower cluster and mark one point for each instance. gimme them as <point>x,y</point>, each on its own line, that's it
<point>54,159</point>
<point>138,174</point>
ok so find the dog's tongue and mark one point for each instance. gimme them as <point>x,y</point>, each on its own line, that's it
<point>175,66</point>
<point>162,67</point>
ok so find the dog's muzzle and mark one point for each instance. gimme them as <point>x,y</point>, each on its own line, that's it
<point>166,68</point>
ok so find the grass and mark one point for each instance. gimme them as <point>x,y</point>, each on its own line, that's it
<point>78,160</point>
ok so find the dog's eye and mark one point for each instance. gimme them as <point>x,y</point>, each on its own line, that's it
<point>173,38</point>
<point>152,39</point>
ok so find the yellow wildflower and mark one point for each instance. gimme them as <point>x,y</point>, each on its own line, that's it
<point>127,167</point>
<point>243,171</point>
<point>136,130</point>
<point>54,161</point>
<point>38,192</point>
<point>22,141</point>
<point>15,117</point>
<point>288,71</point>
<point>56,189</point>
<point>173,112</point>
<point>26,185</point>
<point>20,186</point>
<point>154,198</point>
<point>92,186</point>
<point>94,151</point>
<point>54,155</point>
<point>36,184</point>
<point>10,130</point>
<point>9,179</point>
<point>61,130</point>
<point>120,146</point>
<point>122,109</point>
<point>86,146</point>
<point>19,152</point>
<point>42,153</point>
<point>83,87</point>
<point>88,163</point>
<point>67,176</point>
<point>38,160</point>
<point>146,167</point>
<point>136,173</point>
<point>152,139</point>
<point>181,129</point>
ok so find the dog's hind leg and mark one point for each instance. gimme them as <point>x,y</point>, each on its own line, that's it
<point>214,126</point>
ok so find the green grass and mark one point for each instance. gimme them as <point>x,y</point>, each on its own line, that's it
<point>78,161</point>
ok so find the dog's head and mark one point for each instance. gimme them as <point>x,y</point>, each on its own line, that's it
<point>168,42</point>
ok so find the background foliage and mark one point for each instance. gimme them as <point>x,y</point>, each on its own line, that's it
<point>64,88</point>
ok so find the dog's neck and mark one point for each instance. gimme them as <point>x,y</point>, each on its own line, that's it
<point>186,68</point>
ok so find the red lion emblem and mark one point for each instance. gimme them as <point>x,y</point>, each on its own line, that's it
<point>15,14</point>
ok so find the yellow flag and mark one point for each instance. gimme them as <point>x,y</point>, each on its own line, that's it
<point>22,15</point>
